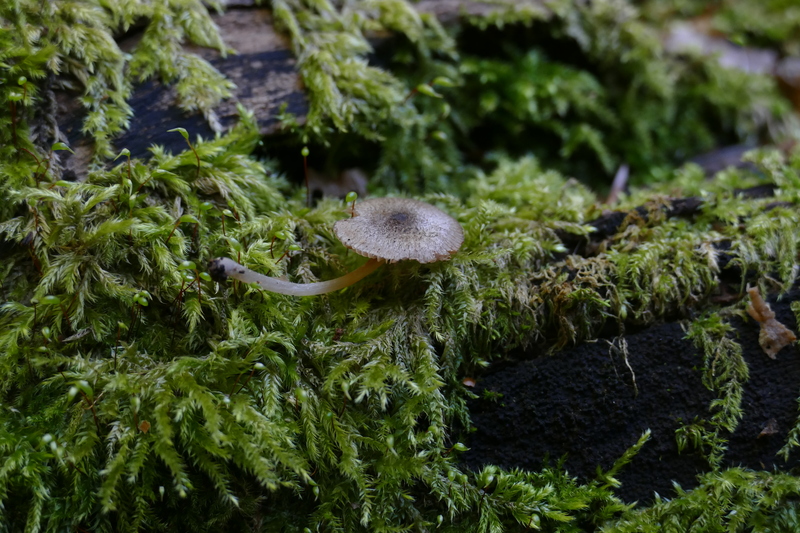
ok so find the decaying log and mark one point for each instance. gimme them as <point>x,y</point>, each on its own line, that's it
<point>612,222</point>
<point>263,69</point>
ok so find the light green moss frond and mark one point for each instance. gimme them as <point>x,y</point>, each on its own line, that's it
<point>724,372</point>
<point>735,500</point>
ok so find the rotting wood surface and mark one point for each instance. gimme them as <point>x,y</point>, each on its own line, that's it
<point>537,412</point>
<point>263,69</point>
<point>264,72</point>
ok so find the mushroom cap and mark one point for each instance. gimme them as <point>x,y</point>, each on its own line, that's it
<point>395,229</point>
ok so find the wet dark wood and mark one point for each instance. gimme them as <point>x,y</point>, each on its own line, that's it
<point>263,69</point>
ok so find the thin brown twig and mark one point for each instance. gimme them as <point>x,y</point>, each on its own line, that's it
<point>248,380</point>
<point>91,406</point>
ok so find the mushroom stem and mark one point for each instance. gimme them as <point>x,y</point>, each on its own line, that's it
<point>224,267</point>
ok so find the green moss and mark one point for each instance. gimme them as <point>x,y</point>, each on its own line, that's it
<point>230,386</point>
<point>139,395</point>
<point>730,500</point>
<point>724,372</point>
<point>585,88</point>
<point>579,87</point>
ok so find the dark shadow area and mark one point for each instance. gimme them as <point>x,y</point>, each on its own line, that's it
<point>496,43</point>
<point>581,403</point>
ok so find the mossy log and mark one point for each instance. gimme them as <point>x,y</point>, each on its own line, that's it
<point>139,393</point>
<point>260,63</point>
<point>588,403</point>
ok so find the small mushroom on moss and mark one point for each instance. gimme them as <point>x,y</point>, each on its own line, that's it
<point>383,229</point>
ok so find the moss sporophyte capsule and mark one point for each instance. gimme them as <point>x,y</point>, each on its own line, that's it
<point>382,229</point>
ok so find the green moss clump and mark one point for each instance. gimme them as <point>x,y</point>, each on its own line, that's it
<point>75,41</point>
<point>131,378</point>
<point>581,87</point>
<point>584,88</point>
<point>725,372</point>
<point>730,500</point>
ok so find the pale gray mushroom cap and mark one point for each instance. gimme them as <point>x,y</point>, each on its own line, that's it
<point>395,229</point>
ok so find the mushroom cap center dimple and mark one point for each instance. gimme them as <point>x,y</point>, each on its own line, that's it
<point>399,218</point>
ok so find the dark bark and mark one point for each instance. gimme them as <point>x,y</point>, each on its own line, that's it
<point>582,403</point>
<point>263,70</point>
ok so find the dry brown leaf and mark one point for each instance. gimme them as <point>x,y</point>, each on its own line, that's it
<point>770,428</point>
<point>773,335</point>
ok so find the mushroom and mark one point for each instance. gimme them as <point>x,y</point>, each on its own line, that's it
<point>383,229</point>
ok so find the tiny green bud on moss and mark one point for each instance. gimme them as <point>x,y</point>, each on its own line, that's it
<point>61,146</point>
<point>443,82</point>
<point>427,90</point>
<point>188,218</point>
<point>235,245</point>
<point>182,131</point>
